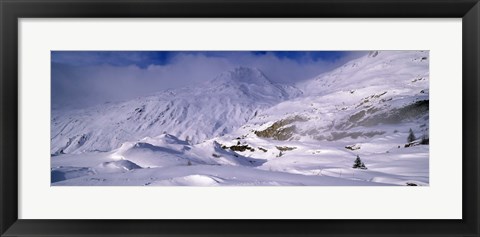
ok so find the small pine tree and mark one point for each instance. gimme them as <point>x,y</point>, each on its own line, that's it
<point>358,164</point>
<point>411,136</point>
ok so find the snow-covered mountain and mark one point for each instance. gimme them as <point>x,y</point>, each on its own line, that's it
<point>369,96</point>
<point>197,113</point>
<point>241,129</point>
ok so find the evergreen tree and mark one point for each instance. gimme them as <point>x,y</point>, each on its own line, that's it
<point>411,137</point>
<point>358,164</point>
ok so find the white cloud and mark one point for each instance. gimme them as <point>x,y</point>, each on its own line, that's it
<point>85,85</point>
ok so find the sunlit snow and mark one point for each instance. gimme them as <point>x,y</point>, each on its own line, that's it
<point>240,129</point>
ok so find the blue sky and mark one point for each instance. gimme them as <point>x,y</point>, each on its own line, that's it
<point>85,78</point>
<point>144,59</point>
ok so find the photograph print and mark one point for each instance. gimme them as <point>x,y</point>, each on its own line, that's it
<point>239,118</point>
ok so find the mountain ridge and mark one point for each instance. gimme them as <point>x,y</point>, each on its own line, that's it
<point>194,114</point>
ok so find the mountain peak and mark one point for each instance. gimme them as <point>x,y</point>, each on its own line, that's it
<point>243,74</point>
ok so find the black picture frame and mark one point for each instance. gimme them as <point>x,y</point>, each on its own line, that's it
<point>11,11</point>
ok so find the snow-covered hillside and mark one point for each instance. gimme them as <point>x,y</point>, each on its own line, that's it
<point>194,114</point>
<point>242,129</point>
<point>379,94</point>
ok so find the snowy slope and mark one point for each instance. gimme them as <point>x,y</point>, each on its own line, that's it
<point>365,108</point>
<point>373,95</point>
<point>194,114</point>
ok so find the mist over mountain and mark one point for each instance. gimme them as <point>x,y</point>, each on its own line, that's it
<point>81,79</point>
<point>212,109</point>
